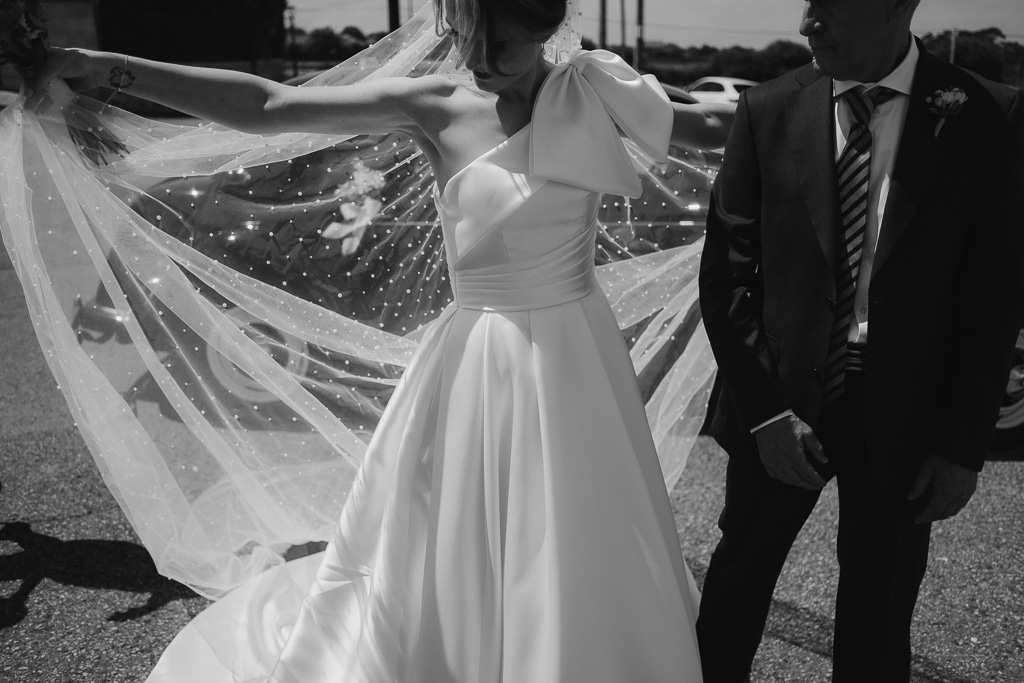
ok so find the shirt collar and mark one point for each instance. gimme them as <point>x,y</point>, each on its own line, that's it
<point>899,79</point>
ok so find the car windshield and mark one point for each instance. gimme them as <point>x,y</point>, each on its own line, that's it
<point>740,87</point>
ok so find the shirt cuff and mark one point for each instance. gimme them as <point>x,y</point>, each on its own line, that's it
<point>784,414</point>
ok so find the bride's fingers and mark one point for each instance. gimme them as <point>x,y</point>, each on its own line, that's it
<point>60,64</point>
<point>38,80</point>
<point>24,72</point>
<point>62,74</point>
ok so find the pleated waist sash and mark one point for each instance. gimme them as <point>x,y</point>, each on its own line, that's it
<point>558,277</point>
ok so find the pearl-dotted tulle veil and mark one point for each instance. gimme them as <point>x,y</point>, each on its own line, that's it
<point>227,314</point>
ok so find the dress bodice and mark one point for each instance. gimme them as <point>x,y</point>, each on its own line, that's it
<point>515,241</point>
<point>519,220</point>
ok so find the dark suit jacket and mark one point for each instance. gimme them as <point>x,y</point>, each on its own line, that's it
<point>947,288</point>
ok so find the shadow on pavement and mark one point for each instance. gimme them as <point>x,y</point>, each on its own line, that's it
<point>808,630</point>
<point>811,631</point>
<point>95,564</point>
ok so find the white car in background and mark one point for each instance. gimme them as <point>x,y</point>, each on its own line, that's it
<point>718,88</point>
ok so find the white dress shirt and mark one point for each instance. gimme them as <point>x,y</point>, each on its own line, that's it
<point>886,130</point>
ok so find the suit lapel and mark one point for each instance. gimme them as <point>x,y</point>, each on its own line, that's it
<point>811,128</point>
<point>917,161</point>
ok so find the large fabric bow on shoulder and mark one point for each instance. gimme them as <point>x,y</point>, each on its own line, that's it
<point>574,138</point>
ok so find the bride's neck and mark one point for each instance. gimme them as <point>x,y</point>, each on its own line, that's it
<point>524,91</point>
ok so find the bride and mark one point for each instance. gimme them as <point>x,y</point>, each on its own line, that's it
<point>509,519</point>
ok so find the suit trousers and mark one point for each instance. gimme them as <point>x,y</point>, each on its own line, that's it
<point>882,557</point>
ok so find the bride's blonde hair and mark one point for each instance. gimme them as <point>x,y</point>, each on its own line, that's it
<point>475,21</point>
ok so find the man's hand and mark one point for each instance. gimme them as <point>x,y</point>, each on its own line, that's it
<point>785,447</point>
<point>951,486</point>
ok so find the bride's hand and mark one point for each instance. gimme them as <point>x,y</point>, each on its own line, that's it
<point>63,68</point>
<point>704,125</point>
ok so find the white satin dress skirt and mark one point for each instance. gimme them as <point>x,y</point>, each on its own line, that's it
<point>510,521</point>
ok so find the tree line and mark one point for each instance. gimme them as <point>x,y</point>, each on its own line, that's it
<point>987,52</point>
<point>327,45</point>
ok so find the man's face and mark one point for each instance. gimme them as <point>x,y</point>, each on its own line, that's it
<point>859,40</point>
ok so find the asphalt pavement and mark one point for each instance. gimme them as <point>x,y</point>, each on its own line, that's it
<point>80,600</point>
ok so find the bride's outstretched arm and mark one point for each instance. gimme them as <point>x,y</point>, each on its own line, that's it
<point>704,125</point>
<point>246,102</point>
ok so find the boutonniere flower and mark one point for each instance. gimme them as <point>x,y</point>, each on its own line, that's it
<point>946,103</point>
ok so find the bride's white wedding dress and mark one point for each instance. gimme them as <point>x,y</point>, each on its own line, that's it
<point>510,520</point>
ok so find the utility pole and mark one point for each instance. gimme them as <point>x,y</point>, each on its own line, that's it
<point>639,50</point>
<point>393,20</point>
<point>952,46</point>
<point>602,31</point>
<point>293,39</point>
<point>622,24</point>
<point>250,31</point>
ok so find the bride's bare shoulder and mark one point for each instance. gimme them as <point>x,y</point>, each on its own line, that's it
<point>437,102</point>
<point>439,91</point>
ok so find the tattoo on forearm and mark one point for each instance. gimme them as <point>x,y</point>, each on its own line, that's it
<point>121,78</point>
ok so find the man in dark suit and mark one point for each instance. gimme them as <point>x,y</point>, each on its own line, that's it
<point>862,288</point>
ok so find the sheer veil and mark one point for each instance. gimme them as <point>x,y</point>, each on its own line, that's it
<point>227,314</point>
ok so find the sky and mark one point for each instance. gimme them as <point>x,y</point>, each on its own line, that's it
<point>751,23</point>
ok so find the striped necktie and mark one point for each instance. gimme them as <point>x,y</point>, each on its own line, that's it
<point>853,171</point>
